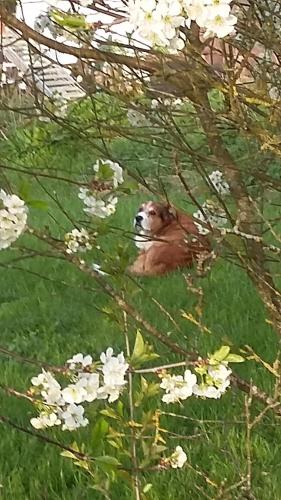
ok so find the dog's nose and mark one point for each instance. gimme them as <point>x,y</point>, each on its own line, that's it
<point>138,218</point>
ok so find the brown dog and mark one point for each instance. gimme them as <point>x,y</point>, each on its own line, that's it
<point>167,239</point>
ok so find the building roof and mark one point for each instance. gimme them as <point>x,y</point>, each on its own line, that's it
<point>38,68</point>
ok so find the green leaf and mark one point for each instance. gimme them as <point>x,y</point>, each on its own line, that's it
<point>152,389</point>
<point>24,190</point>
<point>105,172</point>
<point>139,346</point>
<point>113,443</point>
<point>142,351</point>
<point>82,464</point>
<point>101,490</point>
<point>219,355</point>
<point>234,358</point>
<point>129,186</point>
<point>75,446</point>
<point>147,488</point>
<point>109,412</point>
<point>68,454</point>
<point>120,407</point>
<point>108,460</point>
<point>100,430</point>
<point>40,204</point>
<point>147,391</point>
<point>74,21</point>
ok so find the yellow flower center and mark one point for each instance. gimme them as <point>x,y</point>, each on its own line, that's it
<point>219,20</point>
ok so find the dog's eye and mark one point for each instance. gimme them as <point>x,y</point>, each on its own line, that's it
<point>152,212</point>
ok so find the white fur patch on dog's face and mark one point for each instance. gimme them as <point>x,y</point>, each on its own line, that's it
<point>142,220</point>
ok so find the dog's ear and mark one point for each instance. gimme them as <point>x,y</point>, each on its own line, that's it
<point>168,213</point>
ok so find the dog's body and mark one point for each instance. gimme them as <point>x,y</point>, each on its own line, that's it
<point>168,240</point>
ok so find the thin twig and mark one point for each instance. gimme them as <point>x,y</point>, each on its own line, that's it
<point>135,477</point>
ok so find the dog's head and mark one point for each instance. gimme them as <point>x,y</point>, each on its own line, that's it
<point>152,216</point>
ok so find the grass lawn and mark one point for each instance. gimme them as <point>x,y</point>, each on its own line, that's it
<point>49,311</point>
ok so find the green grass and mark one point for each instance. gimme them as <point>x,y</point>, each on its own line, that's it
<point>48,313</point>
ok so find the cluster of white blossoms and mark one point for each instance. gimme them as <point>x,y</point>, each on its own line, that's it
<point>64,406</point>
<point>178,387</point>
<point>115,171</point>
<point>13,218</point>
<point>217,181</point>
<point>98,207</point>
<point>138,119</point>
<point>214,382</point>
<point>215,379</point>
<point>166,102</point>
<point>159,21</point>
<point>77,241</point>
<point>114,370</point>
<point>99,200</point>
<point>178,458</point>
<point>212,215</point>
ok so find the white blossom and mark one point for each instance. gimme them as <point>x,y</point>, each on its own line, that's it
<point>217,380</point>
<point>110,392</point>
<point>108,176</point>
<point>67,403</point>
<point>90,383</point>
<point>220,375</point>
<point>206,391</point>
<point>73,417</point>
<point>114,367</point>
<point>117,171</point>
<point>159,22</point>
<point>220,26</point>
<point>168,102</point>
<point>81,360</point>
<point>217,181</point>
<point>74,393</point>
<point>52,396</point>
<point>98,207</point>
<point>84,194</point>
<point>13,218</point>
<point>77,241</point>
<point>45,380</point>
<point>178,387</point>
<point>44,420</point>
<point>217,8</point>
<point>194,8</point>
<point>211,214</point>
<point>114,370</point>
<point>178,458</point>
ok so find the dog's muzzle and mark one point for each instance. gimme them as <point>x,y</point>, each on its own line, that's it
<point>138,221</point>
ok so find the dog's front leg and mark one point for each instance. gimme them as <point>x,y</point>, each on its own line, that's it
<point>137,268</point>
